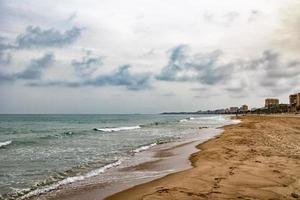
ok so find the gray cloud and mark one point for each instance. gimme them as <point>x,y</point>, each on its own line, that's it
<point>121,77</point>
<point>5,56</point>
<point>87,65</point>
<point>84,69</point>
<point>239,91</point>
<point>33,71</point>
<point>274,74</point>
<point>272,66</point>
<point>35,37</point>
<point>3,44</point>
<point>205,68</point>
<point>6,77</point>
<point>268,73</point>
<point>35,68</point>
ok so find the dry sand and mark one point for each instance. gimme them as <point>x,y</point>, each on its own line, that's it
<point>256,159</point>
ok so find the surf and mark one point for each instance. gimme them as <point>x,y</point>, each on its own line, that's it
<point>3,144</point>
<point>125,128</point>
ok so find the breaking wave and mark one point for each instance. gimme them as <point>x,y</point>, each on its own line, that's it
<point>125,128</point>
<point>144,148</point>
<point>188,119</point>
<point>3,144</point>
<point>211,118</point>
<point>69,180</point>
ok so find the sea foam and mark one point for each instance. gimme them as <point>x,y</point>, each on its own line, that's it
<point>183,120</point>
<point>125,128</point>
<point>188,119</point>
<point>70,180</point>
<point>144,148</point>
<point>2,144</point>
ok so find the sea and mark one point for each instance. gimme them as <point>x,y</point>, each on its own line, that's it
<point>40,153</point>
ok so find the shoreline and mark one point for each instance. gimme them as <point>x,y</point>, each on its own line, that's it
<point>256,159</point>
<point>164,159</point>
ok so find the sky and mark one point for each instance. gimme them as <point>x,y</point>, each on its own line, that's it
<point>146,56</point>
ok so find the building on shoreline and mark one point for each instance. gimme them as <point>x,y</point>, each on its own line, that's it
<point>271,102</point>
<point>283,108</point>
<point>294,102</point>
<point>272,106</point>
<point>244,109</point>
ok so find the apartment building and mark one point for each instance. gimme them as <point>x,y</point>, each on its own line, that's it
<point>271,102</point>
<point>295,102</point>
<point>244,108</point>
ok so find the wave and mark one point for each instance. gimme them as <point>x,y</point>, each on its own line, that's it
<point>69,180</point>
<point>183,120</point>
<point>188,119</point>
<point>58,136</point>
<point>125,128</point>
<point>144,148</point>
<point>3,144</point>
<point>213,118</point>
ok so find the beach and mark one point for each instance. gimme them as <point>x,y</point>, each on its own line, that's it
<point>256,159</point>
<point>149,100</point>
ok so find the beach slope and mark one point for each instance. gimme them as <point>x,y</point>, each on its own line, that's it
<point>256,159</point>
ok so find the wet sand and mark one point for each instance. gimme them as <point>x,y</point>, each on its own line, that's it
<point>256,159</point>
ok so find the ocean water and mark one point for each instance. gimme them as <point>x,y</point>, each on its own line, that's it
<point>39,153</point>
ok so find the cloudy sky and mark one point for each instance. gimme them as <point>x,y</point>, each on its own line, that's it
<point>146,56</point>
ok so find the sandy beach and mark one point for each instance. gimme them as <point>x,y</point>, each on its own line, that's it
<point>256,159</point>
<point>149,100</point>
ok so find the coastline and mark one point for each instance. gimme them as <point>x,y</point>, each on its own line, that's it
<point>163,159</point>
<point>256,159</point>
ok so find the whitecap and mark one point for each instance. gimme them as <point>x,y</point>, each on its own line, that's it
<point>2,144</point>
<point>144,148</point>
<point>71,180</point>
<point>184,120</point>
<point>125,128</point>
